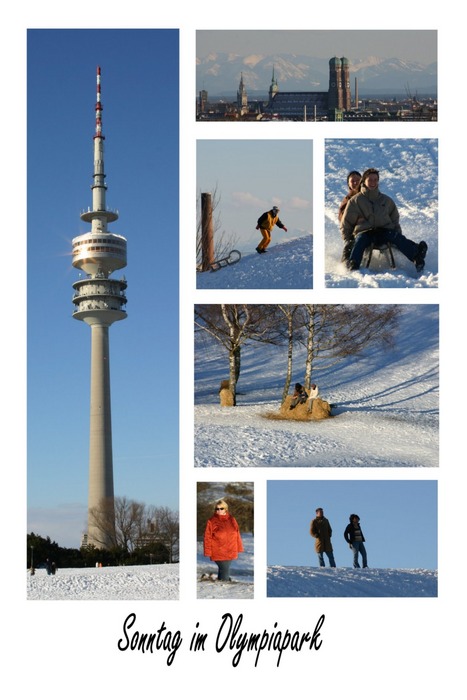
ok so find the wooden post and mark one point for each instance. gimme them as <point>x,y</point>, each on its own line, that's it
<point>207,232</point>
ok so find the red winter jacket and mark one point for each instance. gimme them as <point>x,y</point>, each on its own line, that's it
<point>222,540</point>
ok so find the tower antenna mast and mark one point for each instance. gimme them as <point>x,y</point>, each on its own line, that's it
<point>99,301</point>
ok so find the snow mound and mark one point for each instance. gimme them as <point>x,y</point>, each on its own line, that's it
<point>310,582</point>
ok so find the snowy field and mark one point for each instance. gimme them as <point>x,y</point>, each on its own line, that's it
<point>241,572</point>
<point>409,175</point>
<point>386,412</point>
<point>284,266</point>
<point>309,582</point>
<point>151,582</point>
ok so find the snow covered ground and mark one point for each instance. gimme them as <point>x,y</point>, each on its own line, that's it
<point>386,401</point>
<point>409,174</point>
<point>284,266</point>
<point>310,582</point>
<point>162,582</point>
<point>151,582</point>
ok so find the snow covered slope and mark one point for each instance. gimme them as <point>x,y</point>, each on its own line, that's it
<point>284,266</point>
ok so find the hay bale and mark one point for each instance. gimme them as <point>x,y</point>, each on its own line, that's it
<point>225,394</point>
<point>320,410</point>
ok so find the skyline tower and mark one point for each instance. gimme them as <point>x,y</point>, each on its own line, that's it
<point>99,301</point>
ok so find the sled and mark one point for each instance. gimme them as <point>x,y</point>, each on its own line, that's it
<point>232,258</point>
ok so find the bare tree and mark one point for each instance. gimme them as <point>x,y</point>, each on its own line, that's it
<point>232,325</point>
<point>135,525</point>
<point>336,331</point>
<point>291,313</point>
<point>101,522</point>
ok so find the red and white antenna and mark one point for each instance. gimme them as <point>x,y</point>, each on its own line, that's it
<point>99,106</point>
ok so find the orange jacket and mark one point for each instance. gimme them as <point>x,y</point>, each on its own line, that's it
<point>222,540</point>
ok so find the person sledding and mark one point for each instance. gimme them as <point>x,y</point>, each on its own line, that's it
<point>371,217</point>
<point>266,223</point>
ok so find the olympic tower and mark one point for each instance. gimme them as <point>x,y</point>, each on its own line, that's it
<point>100,301</point>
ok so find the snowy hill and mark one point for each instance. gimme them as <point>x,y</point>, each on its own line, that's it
<point>386,412</point>
<point>309,582</point>
<point>286,265</point>
<point>409,174</point>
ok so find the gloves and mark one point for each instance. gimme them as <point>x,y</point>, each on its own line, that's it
<point>285,229</point>
<point>257,228</point>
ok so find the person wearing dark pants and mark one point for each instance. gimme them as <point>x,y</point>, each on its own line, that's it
<point>354,537</point>
<point>372,217</point>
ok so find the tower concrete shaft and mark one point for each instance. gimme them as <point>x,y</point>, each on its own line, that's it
<point>99,301</point>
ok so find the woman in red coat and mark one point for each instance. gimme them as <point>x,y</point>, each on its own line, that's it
<point>222,540</point>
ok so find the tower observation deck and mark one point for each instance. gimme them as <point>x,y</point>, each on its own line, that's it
<point>99,301</point>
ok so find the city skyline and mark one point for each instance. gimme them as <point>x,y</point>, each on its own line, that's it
<point>141,159</point>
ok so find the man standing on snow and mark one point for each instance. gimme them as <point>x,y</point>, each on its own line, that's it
<point>266,223</point>
<point>321,530</point>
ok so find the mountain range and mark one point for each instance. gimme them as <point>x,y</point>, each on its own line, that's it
<point>219,74</point>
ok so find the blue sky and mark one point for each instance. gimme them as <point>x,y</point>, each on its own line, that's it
<point>399,520</point>
<point>250,176</point>
<point>419,45</point>
<point>140,125</point>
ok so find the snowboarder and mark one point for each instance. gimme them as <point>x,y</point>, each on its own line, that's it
<point>372,217</point>
<point>321,530</point>
<point>266,223</point>
<point>222,540</point>
<point>354,537</point>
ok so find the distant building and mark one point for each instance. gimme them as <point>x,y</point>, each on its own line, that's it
<point>242,98</point>
<point>308,106</point>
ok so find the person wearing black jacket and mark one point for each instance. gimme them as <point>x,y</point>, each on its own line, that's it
<point>354,537</point>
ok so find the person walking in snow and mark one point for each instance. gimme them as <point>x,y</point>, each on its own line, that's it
<point>354,537</point>
<point>354,179</point>
<point>222,540</point>
<point>321,530</point>
<point>372,217</point>
<point>300,395</point>
<point>266,223</point>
